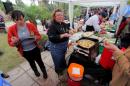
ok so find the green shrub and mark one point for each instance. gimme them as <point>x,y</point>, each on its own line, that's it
<point>36,12</point>
<point>128,2</point>
<point>43,41</point>
<point>44,37</point>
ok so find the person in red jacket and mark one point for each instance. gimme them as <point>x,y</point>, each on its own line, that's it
<point>24,36</point>
<point>122,26</point>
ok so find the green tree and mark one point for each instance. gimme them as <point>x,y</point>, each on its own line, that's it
<point>128,2</point>
<point>19,5</point>
<point>77,10</point>
<point>35,12</point>
<point>1,5</point>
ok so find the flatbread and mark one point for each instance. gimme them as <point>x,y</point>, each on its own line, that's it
<point>86,43</point>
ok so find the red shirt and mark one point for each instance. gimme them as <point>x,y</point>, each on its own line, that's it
<point>12,32</point>
<point>121,27</point>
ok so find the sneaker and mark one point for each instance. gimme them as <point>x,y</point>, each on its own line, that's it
<point>63,78</point>
<point>37,74</point>
<point>5,75</point>
<point>45,76</point>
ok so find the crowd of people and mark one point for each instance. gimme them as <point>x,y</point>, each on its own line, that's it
<point>25,36</point>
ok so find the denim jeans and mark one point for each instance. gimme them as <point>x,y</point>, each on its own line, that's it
<point>58,51</point>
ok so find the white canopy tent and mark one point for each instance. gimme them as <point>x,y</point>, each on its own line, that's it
<point>91,3</point>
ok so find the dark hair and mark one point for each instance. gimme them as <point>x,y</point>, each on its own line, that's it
<point>103,14</point>
<point>54,13</point>
<point>16,14</point>
<point>123,19</point>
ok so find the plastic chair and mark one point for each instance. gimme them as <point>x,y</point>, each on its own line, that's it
<point>3,82</point>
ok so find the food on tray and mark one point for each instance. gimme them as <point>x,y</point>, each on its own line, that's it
<point>87,34</point>
<point>76,36</point>
<point>86,43</point>
<point>72,31</point>
<point>97,37</point>
<point>103,31</point>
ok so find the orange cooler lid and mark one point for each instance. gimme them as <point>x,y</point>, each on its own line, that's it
<point>75,70</point>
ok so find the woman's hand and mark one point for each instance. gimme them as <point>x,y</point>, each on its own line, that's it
<point>113,49</point>
<point>15,40</point>
<point>110,46</point>
<point>103,31</point>
<point>71,31</point>
<point>65,35</point>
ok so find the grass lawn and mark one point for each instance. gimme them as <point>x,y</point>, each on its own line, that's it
<point>10,57</point>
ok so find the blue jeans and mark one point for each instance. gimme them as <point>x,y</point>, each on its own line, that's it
<point>58,51</point>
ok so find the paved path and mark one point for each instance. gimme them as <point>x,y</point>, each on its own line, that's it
<point>24,76</point>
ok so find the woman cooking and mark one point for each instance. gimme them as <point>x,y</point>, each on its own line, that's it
<point>58,37</point>
<point>93,23</point>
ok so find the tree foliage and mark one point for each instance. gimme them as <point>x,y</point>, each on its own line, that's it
<point>128,2</point>
<point>35,12</point>
<point>19,5</point>
<point>77,10</point>
<point>44,10</point>
<point>1,5</point>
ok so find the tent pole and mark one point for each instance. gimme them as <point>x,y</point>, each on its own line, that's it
<point>87,16</point>
<point>114,10</point>
<point>71,8</point>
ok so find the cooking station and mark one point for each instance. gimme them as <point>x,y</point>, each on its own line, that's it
<point>86,55</point>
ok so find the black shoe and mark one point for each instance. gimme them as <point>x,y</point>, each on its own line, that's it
<point>37,74</point>
<point>45,76</point>
<point>5,75</point>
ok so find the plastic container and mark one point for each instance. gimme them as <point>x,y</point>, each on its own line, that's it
<point>106,60</point>
<point>75,74</point>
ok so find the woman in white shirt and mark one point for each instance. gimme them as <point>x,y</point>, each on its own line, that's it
<point>93,23</point>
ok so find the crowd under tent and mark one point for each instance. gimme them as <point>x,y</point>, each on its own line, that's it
<point>91,3</point>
